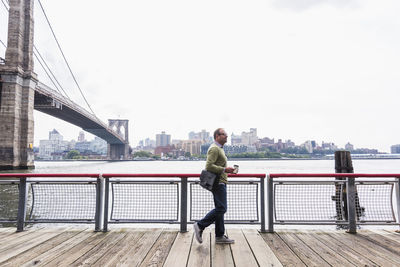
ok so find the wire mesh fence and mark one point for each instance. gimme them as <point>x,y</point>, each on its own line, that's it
<point>242,198</point>
<point>8,201</point>
<point>63,201</point>
<point>375,202</point>
<point>137,201</point>
<point>327,202</point>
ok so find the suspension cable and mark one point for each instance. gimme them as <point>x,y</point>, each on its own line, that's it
<point>69,68</point>
<point>3,43</point>
<point>4,4</point>
<point>37,58</point>
<point>52,74</point>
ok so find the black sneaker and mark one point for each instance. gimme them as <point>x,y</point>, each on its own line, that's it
<point>224,240</point>
<point>198,233</point>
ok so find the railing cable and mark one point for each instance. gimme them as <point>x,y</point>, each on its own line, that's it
<point>69,68</point>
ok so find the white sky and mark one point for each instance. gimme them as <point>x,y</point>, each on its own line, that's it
<point>324,70</point>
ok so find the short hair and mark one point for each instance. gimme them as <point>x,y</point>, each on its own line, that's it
<point>217,132</point>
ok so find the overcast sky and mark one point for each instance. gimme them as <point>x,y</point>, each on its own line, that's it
<point>324,70</point>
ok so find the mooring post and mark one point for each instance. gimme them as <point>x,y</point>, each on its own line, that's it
<point>345,197</point>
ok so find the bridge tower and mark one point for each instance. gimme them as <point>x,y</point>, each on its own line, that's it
<point>17,83</point>
<point>119,151</point>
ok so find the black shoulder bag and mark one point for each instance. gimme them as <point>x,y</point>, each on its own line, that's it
<point>208,180</point>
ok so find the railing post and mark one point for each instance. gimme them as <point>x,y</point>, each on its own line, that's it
<point>106,200</point>
<point>184,185</point>
<point>262,199</point>
<point>21,204</point>
<point>351,205</point>
<point>99,204</point>
<point>398,200</point>
<point>270,197</point>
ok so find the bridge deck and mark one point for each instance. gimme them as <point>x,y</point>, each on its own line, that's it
<point>167,247</point>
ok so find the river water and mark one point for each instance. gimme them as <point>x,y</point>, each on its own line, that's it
<point>245,166</point>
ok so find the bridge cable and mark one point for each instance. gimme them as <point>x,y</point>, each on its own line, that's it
<point>3,43</point>
<point>52,74</point>
<point>69,68</point>
<point>4,4</point>
<point>48,75</point>
<point>44,61</point>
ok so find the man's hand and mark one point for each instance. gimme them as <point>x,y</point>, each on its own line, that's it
<point>229,170</point>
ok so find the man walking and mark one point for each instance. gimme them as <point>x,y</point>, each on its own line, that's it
<point>216,163</point>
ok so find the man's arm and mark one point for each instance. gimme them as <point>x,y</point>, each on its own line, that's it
<point>212,157</point>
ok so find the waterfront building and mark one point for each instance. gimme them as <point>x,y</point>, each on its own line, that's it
<point>235,139</point>
<point>349,147</point>
<point>98,146</point>
<point>308,146</point>
<point>163,139</point>
<point>81,136</point>
<point>395,149</point>
<point>191,146</point>
<point>203,135</point>
<point>52,148</point>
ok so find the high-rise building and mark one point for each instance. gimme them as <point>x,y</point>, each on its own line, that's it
<point>50,149</point>
<point>81,137</point>
<point>163,139</point>
<point>203,135</point>
<point>395,149</point>
<point>349,147</point>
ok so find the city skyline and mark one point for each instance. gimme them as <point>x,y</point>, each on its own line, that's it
<point>89,137</point>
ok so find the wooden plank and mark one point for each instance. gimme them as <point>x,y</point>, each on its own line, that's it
<point>80,249</point>
<point>159,252</point>
<point>30,254</point>
<point>324,251</point>
<point>129,240</point>
<point>370,250</point>
<point>61,249</point>
<point>381,240</point>
<point>28,242</point>
<point>306,254</point>
<point>344,250</point>
<point>107,243</point>
<point>179,253</point>
<point>134,255</point>
<point>241,252</point>
<point>200,254</point>
<point>281,250</point>
<point>221,255</point>
<point>262,252</point>
<point>392,234</point>
<point>19,237</point>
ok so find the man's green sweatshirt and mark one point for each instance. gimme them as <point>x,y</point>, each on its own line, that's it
<point>216,162</point>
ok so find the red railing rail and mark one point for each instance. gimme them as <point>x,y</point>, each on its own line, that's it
<point>46,175</point>
<point>333,175</point>
<point>172,175</point>
<point>120,175</point>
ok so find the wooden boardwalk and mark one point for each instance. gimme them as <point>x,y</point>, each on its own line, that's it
<point>167,247</point>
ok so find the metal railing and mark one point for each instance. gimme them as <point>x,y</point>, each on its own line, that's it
<point>55,198</point>
<point>128,198</point>
<point>166,198</point>
<point>319,199</point>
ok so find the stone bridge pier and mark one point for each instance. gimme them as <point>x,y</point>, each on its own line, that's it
<point>17,84</point>
<point>119,151</point>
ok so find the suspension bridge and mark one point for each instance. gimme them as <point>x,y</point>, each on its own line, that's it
<point>21,92</point>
